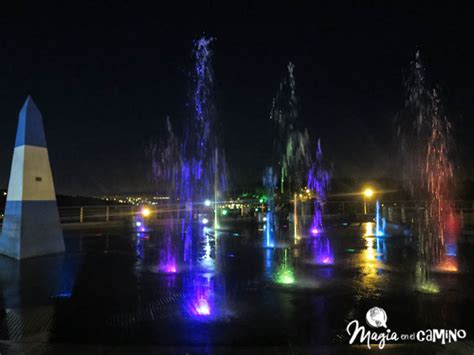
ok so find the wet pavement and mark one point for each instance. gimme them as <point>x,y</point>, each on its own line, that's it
<point>177,290</point>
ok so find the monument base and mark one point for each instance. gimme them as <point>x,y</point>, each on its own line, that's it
<point>31,228</point>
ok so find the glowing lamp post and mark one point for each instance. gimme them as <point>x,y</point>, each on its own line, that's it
<point>145,212</point>
<point>368,193</point>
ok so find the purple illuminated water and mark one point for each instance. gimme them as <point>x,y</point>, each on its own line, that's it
<point>167,262</point>
<point>199,295</point>
<point>192,168</point>
<point>318,184</point>
<point>322,251</point>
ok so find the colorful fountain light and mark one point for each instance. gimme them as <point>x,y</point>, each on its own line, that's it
<point>379,221</point>
<point>296,225</point>
<point>425,133</point>
<point>168,263</point>
<point>269,230</point>
<point>202,307</point>
<point>269,182</point>
<point>167,256</point>
<point>449,264</point>
<point>449,261</point>
<point>203,284</point>
<point>199,294</point>
<point>139,223</point>
<point>285,274</point>
<point>285,277</point>
<point>291,148</point>
<point>140,217</point>
<point>318,182</point>
<point>170,268</point>
<point>322,251</point>
<point>192,168</point>
<point>292,159</point>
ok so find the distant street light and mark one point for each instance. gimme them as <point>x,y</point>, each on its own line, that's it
<point>146,212</point>
<point>368,193</point>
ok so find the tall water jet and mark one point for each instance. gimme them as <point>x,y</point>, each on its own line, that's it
<point>283,115</point>
<point>203,158</point>
<point>296,220</point>
<point>269,182</point>
<point>318,183</point>
<point>167,168</point>
<point>290,145</point>
<point>291,150</point>
<point>192,169</point>
<point>379,221</point>
<point>167,161</point>
<point>425,133</point>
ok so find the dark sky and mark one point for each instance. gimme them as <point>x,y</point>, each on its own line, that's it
<point>106,76</point>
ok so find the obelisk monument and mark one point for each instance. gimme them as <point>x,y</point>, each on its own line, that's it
<point>31,224</point>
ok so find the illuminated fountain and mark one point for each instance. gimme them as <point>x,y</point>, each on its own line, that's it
<point>291,150</point>
<point>322,251</point>
<point>203,173</point>
<point>167,262</point>
<point>449,262</point>
<point>199,295</point>
<point>296,224</point>
<point>285,274</point>
<point>203,180</point>
<point>204,285</point>
<point>380,223</point>
<point>139,223</point>
<point>167,162</point>
<point>199,282</point>
<point>269,182</point>
<point>378,228</point>
<point>192,169</point>
<point>425,133</point>
<point>318,182</point>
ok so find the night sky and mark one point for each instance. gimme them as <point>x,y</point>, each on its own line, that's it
<point>106,76</point>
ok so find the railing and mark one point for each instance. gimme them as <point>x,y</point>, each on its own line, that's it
<point>397,211</point>
<point>87,214</point>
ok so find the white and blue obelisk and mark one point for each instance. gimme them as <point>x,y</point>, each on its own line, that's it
<point>31,224</point>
